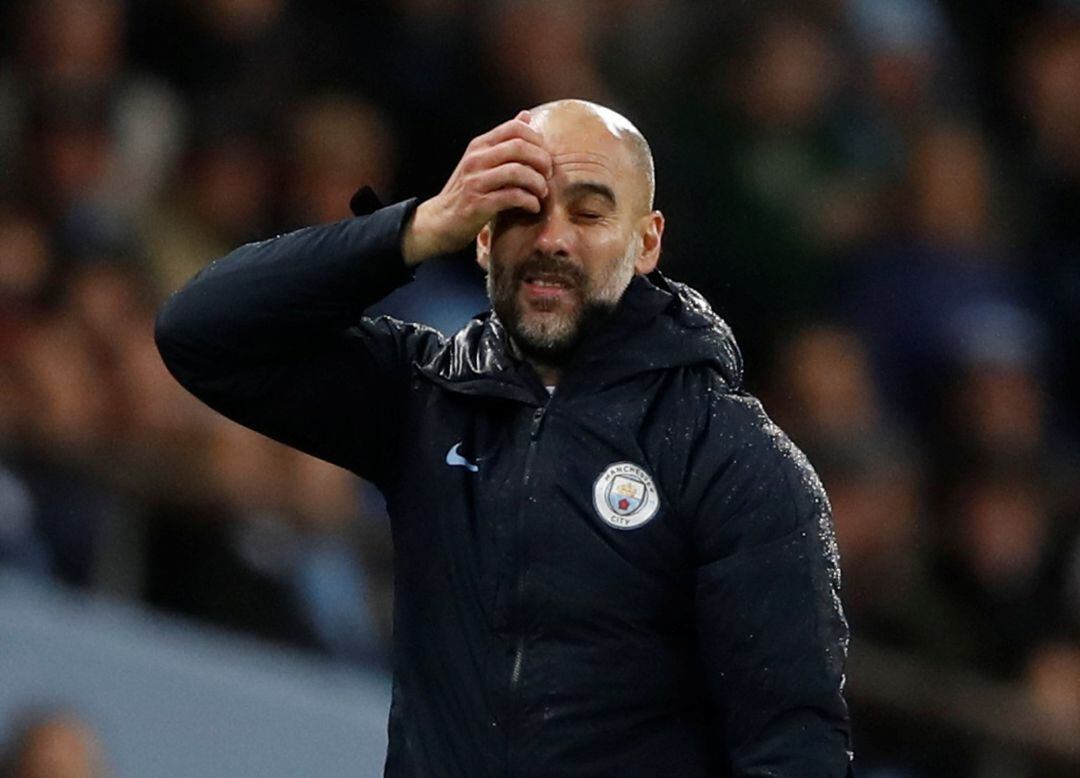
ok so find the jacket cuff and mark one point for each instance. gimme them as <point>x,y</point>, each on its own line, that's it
<point>383,230</point>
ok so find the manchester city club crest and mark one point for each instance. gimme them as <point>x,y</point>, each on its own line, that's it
<point>624,496</point>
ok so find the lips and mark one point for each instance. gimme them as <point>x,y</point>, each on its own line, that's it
<point>549,280</point>
<point>543,289</point>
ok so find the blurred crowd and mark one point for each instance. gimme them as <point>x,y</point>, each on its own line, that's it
<point>881,196</point>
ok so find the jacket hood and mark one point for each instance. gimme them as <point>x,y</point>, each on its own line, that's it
<point>657,324</point>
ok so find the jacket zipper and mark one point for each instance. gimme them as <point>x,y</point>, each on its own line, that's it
<point>519,587</point>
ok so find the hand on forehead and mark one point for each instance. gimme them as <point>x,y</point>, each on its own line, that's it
<point>570,146</point>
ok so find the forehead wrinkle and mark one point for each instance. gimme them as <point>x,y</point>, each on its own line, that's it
<point>580,156</point>
<point>587,161</point>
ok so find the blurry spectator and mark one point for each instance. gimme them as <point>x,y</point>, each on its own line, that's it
<point>420,63</point>
<point>824,394</point>
<point>1046,72</point>
<point>80,408</point>
<point>71,148</point>
<point>99,138</point>
<point>68,402</point>
<point>157,421</point>
<point>766,194</point>
<point>875,490</point>
<point>343,577</point>
<point>986,35</point>
<point>25,271</point>
<point>112,302</point>
<point>541,51</point>
<point>247,472</point>
<point>824,387</point>
<point>911,70</point>
<point>64,424</point>
<point>999,567</point>
<point>106,296</point>
<point>250,56</point>
<point>223,198</point>
<point>1053,678</point>
<point>226,562</point>
<point>875,486</point>
<point>911,292</point>
<point>1048,64</point>
<point>994,402</point>
<point>665,38</point>
<point>995,405</point>
<point>56,746</point>
<point>951,197</point>
<point>339,144</point>
<point>277,556</point>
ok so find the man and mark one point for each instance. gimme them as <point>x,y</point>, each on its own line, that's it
<point>608,560</point>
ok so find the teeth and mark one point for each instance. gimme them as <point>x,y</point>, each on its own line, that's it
<point>547,282</point>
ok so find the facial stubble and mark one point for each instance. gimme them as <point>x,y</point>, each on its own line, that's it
<point>550,337</point>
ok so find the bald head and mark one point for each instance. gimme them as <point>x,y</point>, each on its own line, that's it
<point>572,116</point>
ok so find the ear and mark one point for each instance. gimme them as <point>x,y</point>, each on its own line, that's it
<point>483,247</point>
<point>652,233</point>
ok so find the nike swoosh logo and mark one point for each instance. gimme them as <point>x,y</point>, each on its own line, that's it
<point>455,459</point>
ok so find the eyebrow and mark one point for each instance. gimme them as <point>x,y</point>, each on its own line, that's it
<point>581,188</point>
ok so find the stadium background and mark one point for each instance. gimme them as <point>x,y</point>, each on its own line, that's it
<point>881,196</point>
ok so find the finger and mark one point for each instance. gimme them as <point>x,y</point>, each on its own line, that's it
<point>512,174</point>
<point>510,198</point>
<point>515,128</point>
<point>516,150</point>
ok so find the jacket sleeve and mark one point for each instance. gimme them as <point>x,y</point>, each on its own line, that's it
<point>272,336</point>
<point>772,630</point>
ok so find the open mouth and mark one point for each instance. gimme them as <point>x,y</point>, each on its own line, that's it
<point>546,284</point>
<point>548,281</point>
<point>547,289</point>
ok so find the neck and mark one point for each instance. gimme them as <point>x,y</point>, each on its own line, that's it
<point>547,373</point>
<point>549,376</point>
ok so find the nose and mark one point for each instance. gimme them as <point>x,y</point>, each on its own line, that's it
<point>555,233</point>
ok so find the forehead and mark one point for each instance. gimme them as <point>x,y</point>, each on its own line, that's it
<point>589,146</point>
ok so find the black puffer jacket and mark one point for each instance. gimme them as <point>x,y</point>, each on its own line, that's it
<point>634,576</point>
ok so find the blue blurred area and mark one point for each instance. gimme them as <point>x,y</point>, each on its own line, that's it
<point>174,700</point>
<point>447,293</point>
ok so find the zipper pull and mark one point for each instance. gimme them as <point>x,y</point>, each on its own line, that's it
<point>537,420</point>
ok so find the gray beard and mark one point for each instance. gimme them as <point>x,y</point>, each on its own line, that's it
<point>552,340</point>
<point>554,346</point>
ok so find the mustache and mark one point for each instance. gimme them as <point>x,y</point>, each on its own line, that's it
<point>549,264</point>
